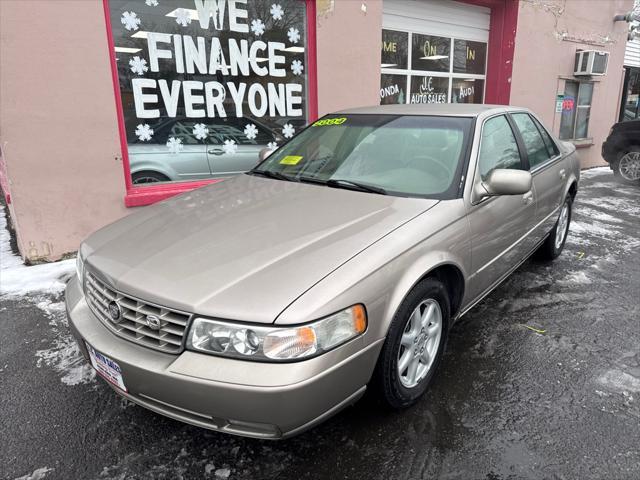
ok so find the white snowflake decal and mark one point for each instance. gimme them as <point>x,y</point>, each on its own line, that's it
<point>151,3</point>
<point>251,131</point>
<point>272,145</point>
<point>276,11</point>
<point>200,131</point>
<point>138,65</point>
<point>229,147</point>
<point>175,145</point>
<point>257,27</point>
<point>182,17</point>
<point>288,130</point>
<point>294,35</point>
<point>130,20</point>
<point>297,67</point>
<point>144,132</point>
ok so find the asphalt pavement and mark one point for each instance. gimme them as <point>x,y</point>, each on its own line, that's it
<point>540,381</point>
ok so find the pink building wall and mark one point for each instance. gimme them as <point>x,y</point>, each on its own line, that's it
<point>58,125</point>
<point>543,60</point>
<point>348,41</point>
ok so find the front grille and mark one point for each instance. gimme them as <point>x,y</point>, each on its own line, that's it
<point>132,322</point>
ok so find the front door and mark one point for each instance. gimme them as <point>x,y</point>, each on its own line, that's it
<point>499,225</point>
<point>235,144</point>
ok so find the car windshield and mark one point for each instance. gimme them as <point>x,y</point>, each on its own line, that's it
<point>406,155</point>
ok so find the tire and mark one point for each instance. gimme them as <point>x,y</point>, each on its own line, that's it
<point>554,244</point>
<point>395,386</point>
<point>144,177</point>
<point>627,167</point>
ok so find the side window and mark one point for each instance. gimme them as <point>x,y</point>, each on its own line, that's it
<point>533,142</point>
<point>498,147</point>
<point>184,132</point>
<point>551,145</point>
<point>236,129</point>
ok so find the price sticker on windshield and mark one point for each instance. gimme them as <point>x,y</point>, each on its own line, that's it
<point>329,121</point>
<point>290,160</point>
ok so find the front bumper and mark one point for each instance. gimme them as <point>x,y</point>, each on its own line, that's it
<point>262,400</point>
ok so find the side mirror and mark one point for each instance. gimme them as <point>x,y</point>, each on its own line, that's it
<point>502,181</point>
<point>264,153</point>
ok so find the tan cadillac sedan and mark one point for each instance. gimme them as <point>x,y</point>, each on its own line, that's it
<point>262,305</point>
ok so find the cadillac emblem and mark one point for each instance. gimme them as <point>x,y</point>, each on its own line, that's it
<point>114,312</point>
<point>153,322</point>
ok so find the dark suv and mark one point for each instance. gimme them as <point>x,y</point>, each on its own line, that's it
<point>622,150</point>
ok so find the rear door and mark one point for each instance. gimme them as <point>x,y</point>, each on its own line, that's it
<point>547,168</point>
<point>499,225</point>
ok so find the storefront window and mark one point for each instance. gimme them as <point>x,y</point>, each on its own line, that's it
<point>468,90</point>
<point>429,53</point>
<point>424,66</point>
<point>393,89</point>
<point>576,110</point>
<point>469,57</point>
<point>205,85</point>
<point>395,49</point>
<point>429,89</point>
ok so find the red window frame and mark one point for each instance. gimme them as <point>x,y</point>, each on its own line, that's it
<point>502,40</point>
<point>138,196</point>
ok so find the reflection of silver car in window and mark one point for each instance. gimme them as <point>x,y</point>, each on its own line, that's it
<point>154,161</point>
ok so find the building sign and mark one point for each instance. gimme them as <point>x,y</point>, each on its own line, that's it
<point>431,68</point>
<point>467,90</point>
<point>430,53</point>
<point>393,89</point>
<point>429,90</point>
<point>206,84</point>
<point>469,57</point>
<point>395,47</point>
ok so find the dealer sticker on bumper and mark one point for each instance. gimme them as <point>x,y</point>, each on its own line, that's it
<point>106,368</point>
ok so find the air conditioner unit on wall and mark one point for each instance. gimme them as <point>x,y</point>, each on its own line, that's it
<point>591,62</point>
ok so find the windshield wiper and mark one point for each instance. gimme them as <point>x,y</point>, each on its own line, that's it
<point>351,185</point>
<point>271,174</point>
<point>316,181</point>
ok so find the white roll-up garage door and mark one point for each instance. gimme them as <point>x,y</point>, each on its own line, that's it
<point>433,51</point>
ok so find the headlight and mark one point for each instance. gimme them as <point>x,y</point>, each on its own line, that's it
<point>271,343</point>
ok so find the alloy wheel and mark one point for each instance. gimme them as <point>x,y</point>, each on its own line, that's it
<point>629,166</point>
<point>563,225</point>
<point>145,179</point>
<point>419,343</point>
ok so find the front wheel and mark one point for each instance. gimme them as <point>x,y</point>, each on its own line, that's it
<point>415,344</point>
<point>553,245</point>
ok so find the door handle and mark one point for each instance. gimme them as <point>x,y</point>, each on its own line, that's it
<point>527,198</point>
<point>215,151</point>
<point>563,174</point>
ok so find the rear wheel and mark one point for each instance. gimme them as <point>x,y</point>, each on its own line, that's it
<point>414,345</point>
<point>140,178</point>
<point>628,166</point>
<point>553,245</point>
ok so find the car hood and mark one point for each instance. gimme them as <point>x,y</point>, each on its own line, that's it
<point>242,249</point>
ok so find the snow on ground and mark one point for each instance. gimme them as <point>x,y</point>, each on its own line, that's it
<point>42,285</point>
<point>17,279</point>
<point>38,474</point>
<point>63,355</point>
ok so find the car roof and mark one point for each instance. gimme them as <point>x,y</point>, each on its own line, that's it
<point>445,109</point>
